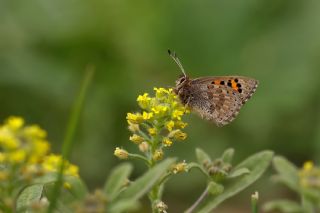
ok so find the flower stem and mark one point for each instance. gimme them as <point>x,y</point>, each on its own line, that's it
<point>69,135</point>
<point>198,201</point>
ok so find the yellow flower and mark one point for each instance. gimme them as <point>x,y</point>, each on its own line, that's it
<point>179,167</point>
<point>72,170</point>
<point>147,115</point>
<point>170,125</point>
<point>34,131</point>
<point>121,153</point>
<point>144,101</point>
<point>133,127</point>
<point>157,155</point>
<point>14,122</point>
<point>66,185</point>
<point>307,166</point>
<point>152,131</point>
<point>136,139</point>
<point>53,162</point>
<point>159,109</point>
<point>17,156</point>
<point>180,124</point>
<point>309,175</point>
<point>40,149</point>
<point>7,139</point>
<point>161,92</point>
<point>167,142</point>
<point>177,114</point>
<point>134,118</point>
<point>177,135</point>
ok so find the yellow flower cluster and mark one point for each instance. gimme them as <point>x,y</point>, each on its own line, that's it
<point>158,125</point>
<point>22,144</point>
<point>52,162</point>
<point>24,151</point>
<point>164,104</point>
<point>309,175</point>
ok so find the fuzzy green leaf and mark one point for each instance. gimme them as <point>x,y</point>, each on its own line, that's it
<point>143,184</point>
<point>78,188</point>
<point>285,206</point>
<point>287,173</point>
<point>256,163</point>
<point>202,156</point>
<point>116,180</point>
<point>227,156</point>
<point>125,205</point>
<point>29,195</point>
<point>238,172</point>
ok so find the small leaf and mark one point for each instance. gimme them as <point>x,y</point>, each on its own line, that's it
<point>77,187</point>
<point>285,206</point>
<point>29,195</point>
<point>202,156</point>
<point>116,180</point>
<point>215,188</point>
<point>47,178</point>
<point>143,184</point>
<point>238,172</point>
<point>287,172</point>
<point>256,163</point>
<point>125,205</point>
<point>227,156</point>
<point>194,165</point>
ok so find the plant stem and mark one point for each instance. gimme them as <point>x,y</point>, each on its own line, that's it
<point>202,196</point>
<point>254,202</point>
<point>68,139</point>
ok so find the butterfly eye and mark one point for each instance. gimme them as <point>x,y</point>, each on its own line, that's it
<point>182,80</point>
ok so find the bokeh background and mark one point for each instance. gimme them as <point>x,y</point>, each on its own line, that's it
<point>46,45</point>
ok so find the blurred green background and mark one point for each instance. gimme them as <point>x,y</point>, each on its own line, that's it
<point>46,45</point>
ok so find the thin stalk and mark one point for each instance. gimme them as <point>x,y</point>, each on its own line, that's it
<point>254,202</point>
<point>198,201</point>
<point>69,135</point>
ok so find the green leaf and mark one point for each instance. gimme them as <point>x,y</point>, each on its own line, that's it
<point>47,178</point>
<point>125,205</point>
<point>286,206</point>
<point>194,165</point>
<point>29,195</point>
<point>287,173</point>
<point>202,156</point>
<point>78,189</point>
<point>116,180</point>
<point>256,163</point>
<point>238,172</point>
<point>143,184</point>
<point>227,156</point>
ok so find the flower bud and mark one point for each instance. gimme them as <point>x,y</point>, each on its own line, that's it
<point>157,155</point>
<point>121,153</point>
<point>137,139</point>
<point>144,146</point>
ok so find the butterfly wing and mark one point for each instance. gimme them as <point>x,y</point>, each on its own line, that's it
<point>243,86</point>
<point>216,105</point>
<point>219,99</point>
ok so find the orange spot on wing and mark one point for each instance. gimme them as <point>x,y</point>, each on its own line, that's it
<point>217,82</point>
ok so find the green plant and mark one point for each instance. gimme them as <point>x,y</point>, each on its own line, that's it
<point>50,183</point>
<point>305,182</point>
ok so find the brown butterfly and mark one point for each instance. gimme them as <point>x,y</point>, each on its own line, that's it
<point>215,98</point>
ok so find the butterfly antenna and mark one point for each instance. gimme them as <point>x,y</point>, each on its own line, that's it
<point>174,56</point>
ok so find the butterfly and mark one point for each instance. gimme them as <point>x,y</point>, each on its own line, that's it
<point>215,98</point>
